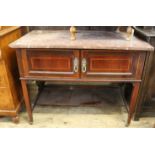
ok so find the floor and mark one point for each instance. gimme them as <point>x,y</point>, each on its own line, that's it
<point>71,107</point>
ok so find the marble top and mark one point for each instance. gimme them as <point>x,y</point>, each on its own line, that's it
<point>85,39</point>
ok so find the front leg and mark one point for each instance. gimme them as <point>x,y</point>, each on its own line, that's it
<point>133,102</point>
<point>27,100</point>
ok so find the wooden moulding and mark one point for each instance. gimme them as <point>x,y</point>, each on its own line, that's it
<point>7,29</point>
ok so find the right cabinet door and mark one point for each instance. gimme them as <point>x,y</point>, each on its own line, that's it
<point>112,65</point>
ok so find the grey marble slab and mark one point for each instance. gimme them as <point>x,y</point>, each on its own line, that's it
<point>86,39</point>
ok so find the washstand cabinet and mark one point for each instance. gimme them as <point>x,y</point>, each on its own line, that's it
<point>95,57</point>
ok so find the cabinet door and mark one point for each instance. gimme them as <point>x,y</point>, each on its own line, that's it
<point>112,65</point>
<point>51,63</point>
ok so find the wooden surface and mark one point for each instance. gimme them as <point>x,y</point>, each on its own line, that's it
<point>5,30</point>
<point>114,62</point>
<point>10,94</point>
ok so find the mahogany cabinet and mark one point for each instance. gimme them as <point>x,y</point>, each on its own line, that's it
<point>81,66</point>
<point>10,94</point>
<point>94,58</point>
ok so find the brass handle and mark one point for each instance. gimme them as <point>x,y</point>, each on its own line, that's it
<point>84,65</point>
<point>76,65</point>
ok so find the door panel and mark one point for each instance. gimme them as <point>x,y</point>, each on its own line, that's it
<point>53,63</point>
<point>103,64</point>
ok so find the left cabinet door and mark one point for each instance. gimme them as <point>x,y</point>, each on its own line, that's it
<point>50,63</point>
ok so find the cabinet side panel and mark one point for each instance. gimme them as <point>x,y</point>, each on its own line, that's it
<point>12,73</point>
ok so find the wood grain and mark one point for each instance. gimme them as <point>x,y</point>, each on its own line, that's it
<point>10,94</point>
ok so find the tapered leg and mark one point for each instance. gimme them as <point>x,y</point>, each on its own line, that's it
<point>27,100</point>
<point>133,102</point>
